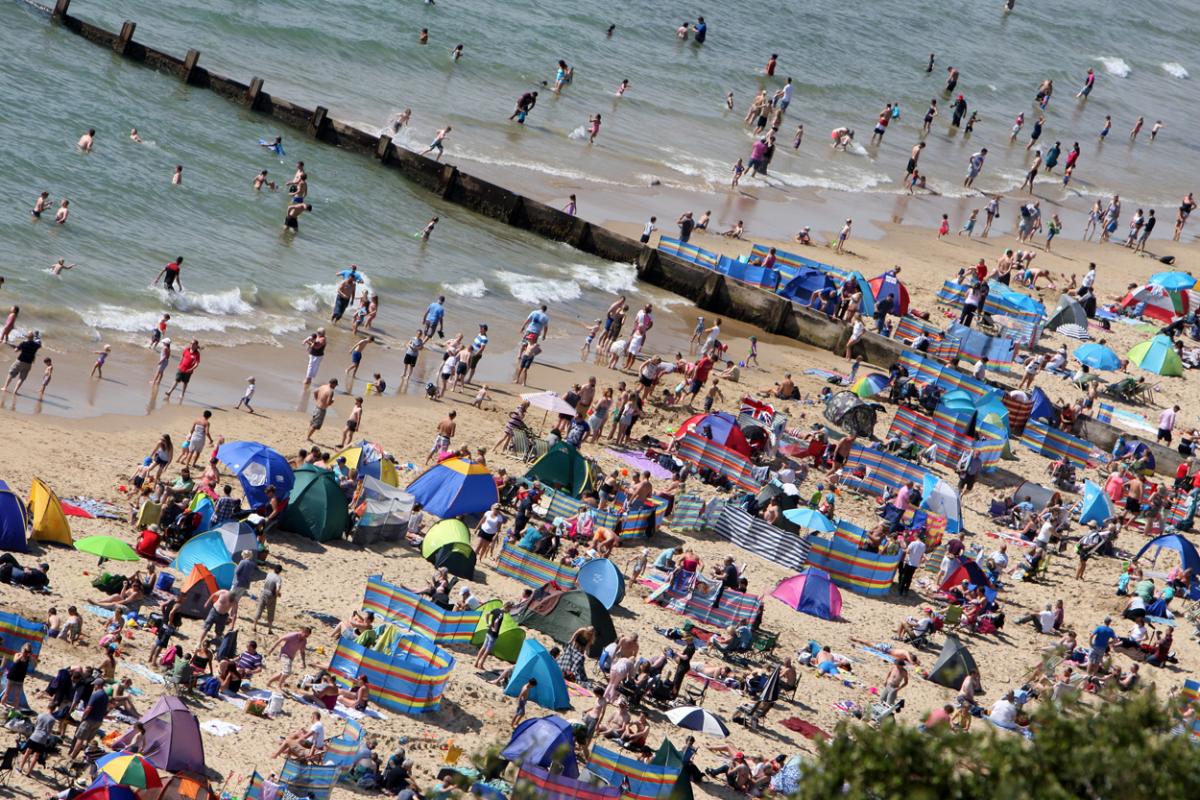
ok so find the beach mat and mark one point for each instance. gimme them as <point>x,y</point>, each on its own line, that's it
<point>804,728</point>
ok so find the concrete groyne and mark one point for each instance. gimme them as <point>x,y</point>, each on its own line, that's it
<point>710,291</point>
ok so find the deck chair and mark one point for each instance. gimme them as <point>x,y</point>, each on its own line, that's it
<point>952,618</point>
<point>764,643</point>
<point>1146,393</point>
<point>520,443</point>
<point>8,763</point>
<point>1122,389</point>
<point>537,449</point>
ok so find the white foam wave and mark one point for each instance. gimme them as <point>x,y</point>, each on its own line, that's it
<point>613,279</point>
<point>579,134</point>
<point>539,166</point>
<point>471,288</point>
<point>306,304</point>
<point>119,319</point>
<point>541,290</point>
<point>227,303</point>
<point>1117,67</point>
<point>1175,69</point>
<point>859,182</point>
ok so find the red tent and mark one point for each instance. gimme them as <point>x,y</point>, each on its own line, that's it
<point>888,285</point>
<point>724,431</point>
<point>968,571</point>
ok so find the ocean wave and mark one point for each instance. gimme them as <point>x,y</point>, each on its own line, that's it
<point>1175,69</point>
<point>119,319</point>
<point>613,279</point>
<point>538,290</point>
<point>861,182</point>
<point>471,288</point>
<point>227,303</point>
<point>539,166</point>
<point>1117,67</point>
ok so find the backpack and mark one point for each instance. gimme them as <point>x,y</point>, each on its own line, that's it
<point>211,686</point>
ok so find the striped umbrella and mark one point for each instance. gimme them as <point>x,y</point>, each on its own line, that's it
<point>870,385</point>
<point>1074,331</point>
<point>129,769</point>
<point>694,718</point>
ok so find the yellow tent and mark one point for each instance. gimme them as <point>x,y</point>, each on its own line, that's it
<point>49,521</point>
<point>368,458</point>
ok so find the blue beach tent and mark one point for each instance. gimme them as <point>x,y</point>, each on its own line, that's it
<point>602,580</point>
<point>543,742</point>
<point>535,662</point>
<point>14,521</point>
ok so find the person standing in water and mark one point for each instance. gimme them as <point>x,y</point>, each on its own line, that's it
<point>594,126</point>
<point>974,167</point>
<point>87,140</point>
<point>1185,210</point>
<point>1088,84</point>
<point>701,30</point>
<point>1137,128</point>
<point>39,205</point>
<point>437,143</point>
<point>177,177</point>
<point>951,79</point>
<point>170,275</point>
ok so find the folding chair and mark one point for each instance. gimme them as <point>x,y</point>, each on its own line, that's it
<point>520,444</point>
<point>537,449</point>
<point>952,618</point>
<point>8,762</point>
<point>764,643</point>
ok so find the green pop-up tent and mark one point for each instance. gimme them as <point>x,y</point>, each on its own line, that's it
<point>558,614</point>
<point>564,469</point>
<point>317,508</point>
<point>512,635</point>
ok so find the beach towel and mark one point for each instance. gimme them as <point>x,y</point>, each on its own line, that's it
<point>713,683</point>
<point>219,727</point>
<point>89,507</point>
<point>142,671</point>
<point>878,654</point>
<point>102,613</point>
<point>821,373</point>
<point>804,728</point>
<point>640,463</point>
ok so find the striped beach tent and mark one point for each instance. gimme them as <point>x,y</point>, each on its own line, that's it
<point>734,608</point>
<point>16,632</point>
<point>637,779</point>
<point>408,610</point>
<point>1018,412</point>
<point>1054,443</point>
<point>254,790</point>
<point>761,538</point>
<point>533,570</point>
<point>707,453</point>
<point>407,672</point>
<point>850,566</point>
<point>544,785</point>
<point>314,781</point>
<point>637,524</point>
<point>882,470</point>
<point>1025,312</point>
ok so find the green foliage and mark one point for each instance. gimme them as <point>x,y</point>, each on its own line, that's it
<point>1120,750</point>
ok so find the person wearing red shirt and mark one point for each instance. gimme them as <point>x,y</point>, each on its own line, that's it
<point>147,546</point>
<point>981,270</point>
<point>699,377</point>
<point>187,365</point>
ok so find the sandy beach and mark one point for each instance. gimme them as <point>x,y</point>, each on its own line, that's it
<point>95,456</point>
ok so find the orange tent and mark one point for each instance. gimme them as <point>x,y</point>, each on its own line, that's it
<point>199,586</point>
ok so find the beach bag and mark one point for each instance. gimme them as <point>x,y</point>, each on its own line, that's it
<point>109,584</point>
<point>211,686</point>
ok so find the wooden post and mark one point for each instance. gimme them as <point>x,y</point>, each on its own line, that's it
<point>319,117</point>
<point>122,43</point>
<point>449,179</point>
<point>189,64</point>
<point>253,93</point>
<point>383,148</point>
<point>60,9</point>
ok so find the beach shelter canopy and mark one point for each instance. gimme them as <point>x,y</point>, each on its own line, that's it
<point>602,580</point>
<point>811,592</point>
<point>1173,281</point>
<point>237,536</point>
<point>1157,355</point>
<point>448,531</point>
<point>368,458</point>
<point>544,742</point>
<point>257,467</point>
<point>1189,558</point>
<point>1096,506</point>
<point>1161,304</point>
<point>953,664</point>
<point>549,402</point>
<point>939,497</point>
<point>967,570</point>
<point>888,285</point>
<point>206,550</point>
<point>1068,312</point>
<point>847,409</point>
<point>181,786</point>
<point>105,789</point>
<point>512,635</point>
<point>809,519</point>
<point>128,769</point>
<point>1098,356</point>
<point>564,469</point>
<point>559,613</point>
<point>49,521</point>
<point>385,512</point>
<point>805,284</point>
<point>455,487</point>
<point>535,662</point>
<point>1038,495</point>
<point>14,520</point>
<point>197,588</point>
<point>1042,407</point>
<point>718,427</point>
<point>173,738</point>
<point>317,508</point>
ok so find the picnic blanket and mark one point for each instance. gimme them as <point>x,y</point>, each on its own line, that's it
<point>640,463</point>
<point>804,728</point>
<point>219,727</point>
<point>99,611</point>
<point>142,671</point>
<point>89,508</point>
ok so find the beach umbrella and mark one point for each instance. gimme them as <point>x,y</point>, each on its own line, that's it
<point>809,519</point>
<point>107,547</point>
<point>888,285</point>
<point>129,769</point>
<point>104,789</point>
<point>720,427</point>
<point>694,718</point>
<point>1157,355</point>
<point>811,592</point>
<point>549,402</point>
<point>870,385</point>
<point>257,467</point>
<point>1098,356</point>
<point>787,780</point>
<point>1073,331</point>
<point>1176,281</point>
<point>769,692</point>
